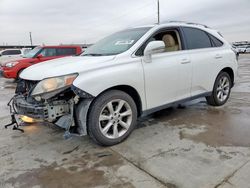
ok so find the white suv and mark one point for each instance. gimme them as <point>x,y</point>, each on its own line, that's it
<point>127,75</point>
<point>12,54</point>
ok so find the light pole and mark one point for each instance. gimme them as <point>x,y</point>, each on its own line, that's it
<point>158,11</point>
<point>31,39</point>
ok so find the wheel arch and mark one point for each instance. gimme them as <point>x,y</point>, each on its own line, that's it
<point>19,72</point>
<point>132,92</point>
<point>230,73</point>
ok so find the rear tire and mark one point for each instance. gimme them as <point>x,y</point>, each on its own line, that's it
<point>221,90</point>
<point>111,118</point>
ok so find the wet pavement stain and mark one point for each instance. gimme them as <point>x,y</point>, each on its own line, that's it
<point>70,151</point>
<point>223,126</point>
<point>109,161</point>
<point>75,172</point>
<point>124,185</point>
<point>51,177</point>
<point>170,185</point>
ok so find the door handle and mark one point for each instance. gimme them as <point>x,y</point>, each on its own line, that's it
<point>185,61</point>
<point>218,56</point>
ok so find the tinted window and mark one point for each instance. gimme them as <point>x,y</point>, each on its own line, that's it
<point>15,52</point>
<point>196,38</point>
<point>66,51</point>
<point>216,42</point>
<point>11,52</point>
<point>48,52</point>
<point>7,52</point>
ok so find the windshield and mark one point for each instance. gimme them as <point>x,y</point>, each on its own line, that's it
<point>32,53</point>
<point>116,43</point>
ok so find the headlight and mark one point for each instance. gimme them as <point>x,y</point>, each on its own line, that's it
<point>51,84</point>
<point>11,64</point>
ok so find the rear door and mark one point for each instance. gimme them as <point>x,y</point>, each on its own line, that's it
<point>206,59</point>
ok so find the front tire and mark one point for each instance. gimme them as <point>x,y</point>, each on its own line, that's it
<point>112,117</point>
<point>221,90</point>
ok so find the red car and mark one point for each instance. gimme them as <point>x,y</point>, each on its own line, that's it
<point>37,55</point>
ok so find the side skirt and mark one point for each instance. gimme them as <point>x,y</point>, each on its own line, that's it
<point>152,110</point>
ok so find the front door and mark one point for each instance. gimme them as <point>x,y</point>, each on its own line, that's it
<point>168,75</point>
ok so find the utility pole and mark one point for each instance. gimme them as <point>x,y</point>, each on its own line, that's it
<point>31,39</point>
<point>158,11</point>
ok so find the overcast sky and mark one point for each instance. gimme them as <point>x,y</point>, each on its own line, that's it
<point>86,21</point>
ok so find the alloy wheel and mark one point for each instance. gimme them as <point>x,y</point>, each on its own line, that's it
<point>115,118</point>
<point>223,89</point>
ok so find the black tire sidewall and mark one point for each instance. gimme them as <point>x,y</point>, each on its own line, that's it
<point>95,110</point>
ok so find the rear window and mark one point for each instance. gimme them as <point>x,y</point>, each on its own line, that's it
<point>196,38</point>
<point>66,51</point>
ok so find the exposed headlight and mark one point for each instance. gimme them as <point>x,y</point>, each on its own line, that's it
<point>52,84</point>
<point>11,64</point>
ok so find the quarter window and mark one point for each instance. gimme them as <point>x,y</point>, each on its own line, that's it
<point>216,42</point>
<point>196,38</point>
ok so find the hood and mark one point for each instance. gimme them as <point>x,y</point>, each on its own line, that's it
<point>64,66</point>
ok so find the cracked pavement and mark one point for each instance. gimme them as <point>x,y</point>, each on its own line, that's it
<point>196,146</point>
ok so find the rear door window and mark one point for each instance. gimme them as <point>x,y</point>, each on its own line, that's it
<point>196,38</point>
<point>65,51</point>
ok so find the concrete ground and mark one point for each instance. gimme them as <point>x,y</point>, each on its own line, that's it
<point>197,146</point>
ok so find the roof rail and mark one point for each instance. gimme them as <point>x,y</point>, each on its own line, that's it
<point>191,23</point>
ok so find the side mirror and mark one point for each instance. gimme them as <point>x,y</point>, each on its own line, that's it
<point>39,56</point>
<point>154,47</point>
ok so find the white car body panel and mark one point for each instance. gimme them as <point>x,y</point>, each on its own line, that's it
<point>207,63</point>
<point>162,74</point>
<point>167,78</point>
<point>65,65</point>
<point>7,58</point>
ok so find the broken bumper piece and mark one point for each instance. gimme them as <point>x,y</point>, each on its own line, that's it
<point>47,112</point>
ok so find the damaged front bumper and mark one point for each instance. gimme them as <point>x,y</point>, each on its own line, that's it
<point>60,108</point>
<point>47,112</point>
